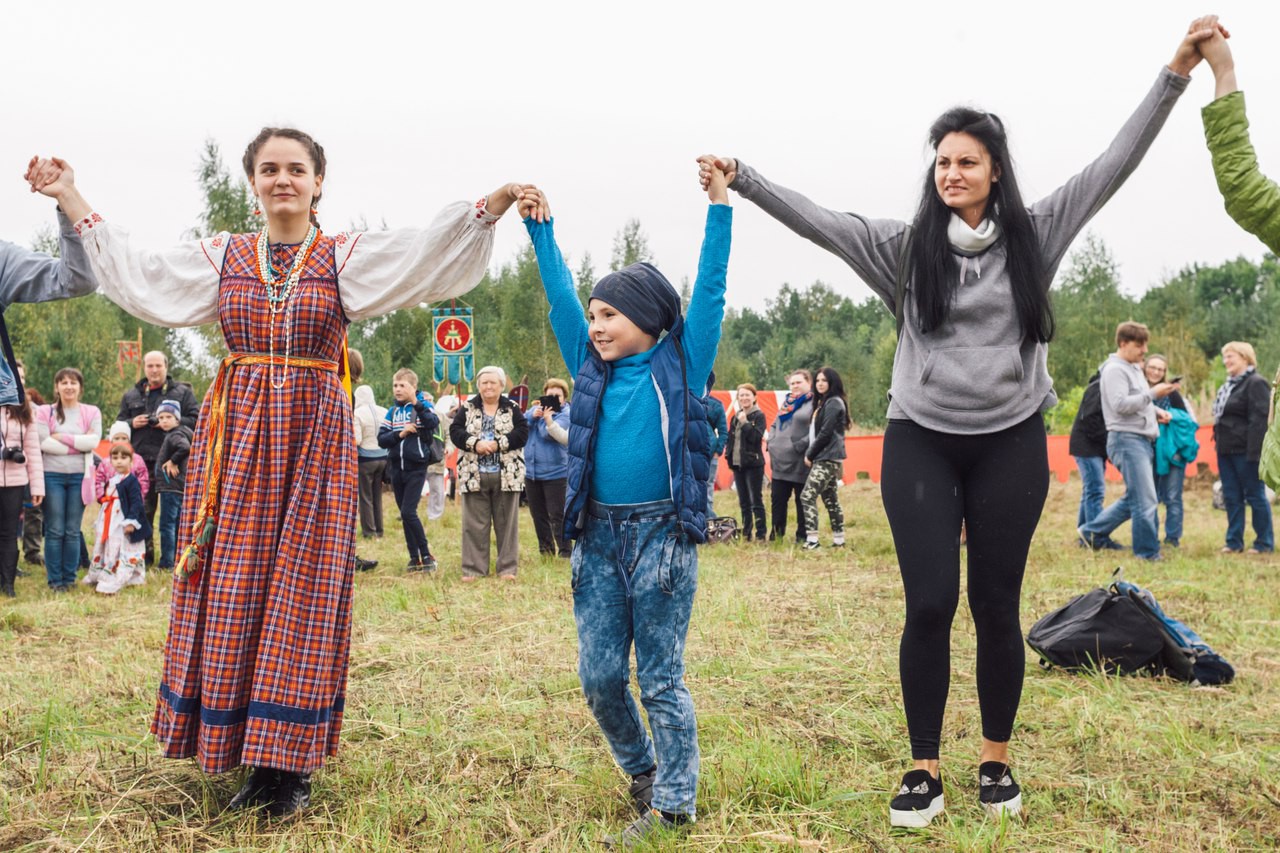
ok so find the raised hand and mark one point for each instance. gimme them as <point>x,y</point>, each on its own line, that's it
<point>715,182</point>
<point>49,176</point>
<point>1188,56</point>
<point>532,204</point>
<point>708,162</point>
<point>55,178</point>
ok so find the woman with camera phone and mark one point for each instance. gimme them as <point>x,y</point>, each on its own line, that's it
<point>546,466</point>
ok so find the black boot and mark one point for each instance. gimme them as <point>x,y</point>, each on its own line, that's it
<point>7,590</point>
<point>641,790</point>
<point>292,794</point>
<point>257,790</point>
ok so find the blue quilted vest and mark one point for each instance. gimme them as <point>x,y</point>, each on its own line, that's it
<point>688,447</point>
<point>11,391</point>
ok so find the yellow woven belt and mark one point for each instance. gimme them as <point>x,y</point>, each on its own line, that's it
<point>206,523</point>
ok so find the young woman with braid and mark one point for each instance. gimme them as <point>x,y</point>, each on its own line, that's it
<point>255,664</point>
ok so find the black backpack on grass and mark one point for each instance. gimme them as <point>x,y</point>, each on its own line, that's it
<point>1123,630</point>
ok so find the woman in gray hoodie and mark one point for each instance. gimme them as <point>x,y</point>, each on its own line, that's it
<point>969,281</point>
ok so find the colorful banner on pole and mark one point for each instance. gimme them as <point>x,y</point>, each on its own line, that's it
<point>454,350</point>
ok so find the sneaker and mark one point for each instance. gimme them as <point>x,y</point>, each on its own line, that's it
<point>256,790</point>
<point>429,564</point>
<point>291,795</point>
<point>1098,542</point>
<point>650,826</point>
<point>641,790</point>
<point>810,545</point>
<point>997,791</point>
<point>918,802</point>
<point>415,566</point>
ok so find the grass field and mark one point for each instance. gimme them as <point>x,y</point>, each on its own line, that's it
<point>465,728</point>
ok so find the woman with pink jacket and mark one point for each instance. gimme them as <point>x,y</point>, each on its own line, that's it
<point>21,465</point>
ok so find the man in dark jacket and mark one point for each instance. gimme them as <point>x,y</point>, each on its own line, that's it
<point>138,410</point>
<point>1088,445</point>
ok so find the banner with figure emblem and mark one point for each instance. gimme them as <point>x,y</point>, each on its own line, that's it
<point>453,345</point>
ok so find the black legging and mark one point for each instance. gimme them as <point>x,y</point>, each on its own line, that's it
<point>780,496</point>
<point>996,484</point>
<point>750,483</point>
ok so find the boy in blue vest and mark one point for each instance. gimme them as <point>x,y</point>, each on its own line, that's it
<point>637,499</point>
<point>406,432</point>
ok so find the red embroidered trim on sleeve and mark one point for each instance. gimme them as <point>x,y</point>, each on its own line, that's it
<point>87,223</point>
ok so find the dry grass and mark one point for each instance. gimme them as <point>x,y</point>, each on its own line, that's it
<point>465,729</point>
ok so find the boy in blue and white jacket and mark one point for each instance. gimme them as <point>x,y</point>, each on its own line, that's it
<point>406,433</point>
<point>637,499</point>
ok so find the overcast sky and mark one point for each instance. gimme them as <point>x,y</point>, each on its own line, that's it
<point>605,106</point>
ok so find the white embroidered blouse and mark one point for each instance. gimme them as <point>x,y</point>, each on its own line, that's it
<point>378,271</point>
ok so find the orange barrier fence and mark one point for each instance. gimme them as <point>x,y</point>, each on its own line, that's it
<point>863,454</point>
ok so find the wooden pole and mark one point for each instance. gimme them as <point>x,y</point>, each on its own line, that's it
<point>138,370</point>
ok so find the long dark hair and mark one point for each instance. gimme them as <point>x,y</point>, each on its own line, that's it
<point>57,398</point>
<point>835,389</point>
<point>314,150</point>
<point>932,271</point>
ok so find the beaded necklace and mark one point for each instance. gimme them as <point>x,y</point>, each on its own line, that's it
<point>278,293</point>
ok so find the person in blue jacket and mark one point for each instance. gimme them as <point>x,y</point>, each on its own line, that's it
<point>1176,445</point>
<point>406,432</point>
<point>639,463</point>
<point>718,425</point>
<point>546,466</point>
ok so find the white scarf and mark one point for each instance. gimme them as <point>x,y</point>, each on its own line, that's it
<point>967,239</point>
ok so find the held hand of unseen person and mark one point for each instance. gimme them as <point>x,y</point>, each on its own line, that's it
<point>1187,56</point>
<point>1217,53</point>
<point>716,185</point>
<point>727,165</point>
<point>532,204</point>
<point>56,179</point>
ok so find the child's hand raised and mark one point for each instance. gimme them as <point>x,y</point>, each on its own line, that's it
<point>714,173</point>
<point>531,203</point>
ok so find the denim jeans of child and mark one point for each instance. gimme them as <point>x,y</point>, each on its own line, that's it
<point>634,579</point>
<point>170,510</point>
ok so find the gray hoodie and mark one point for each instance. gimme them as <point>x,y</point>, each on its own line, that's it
<point>1127,404</point>
<point>976,373</point>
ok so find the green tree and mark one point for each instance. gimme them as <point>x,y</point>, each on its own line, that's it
<point>1088,305</point>
<point>630,246</point>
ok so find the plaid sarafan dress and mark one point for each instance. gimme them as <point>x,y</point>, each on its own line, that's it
<point>255,663</point>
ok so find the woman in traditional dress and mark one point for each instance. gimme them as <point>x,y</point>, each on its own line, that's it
<point>255,664</point>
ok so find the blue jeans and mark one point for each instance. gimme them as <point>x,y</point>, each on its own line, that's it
<point>63,513</point>
<point>1169,493</point>
<point>1135,456</point>
<point>633,579</point>
<point>170,509</point>
<point>1093,487</point>
<point>1240,486</point>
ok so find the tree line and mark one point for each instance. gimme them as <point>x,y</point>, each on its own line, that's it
<point>1191,315</point>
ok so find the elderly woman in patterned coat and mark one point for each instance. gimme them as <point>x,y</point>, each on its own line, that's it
<point>255,664</point>
<point>490,433</point>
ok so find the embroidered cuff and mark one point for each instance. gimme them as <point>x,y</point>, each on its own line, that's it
<point>88,223</point>
<point>482,213</point>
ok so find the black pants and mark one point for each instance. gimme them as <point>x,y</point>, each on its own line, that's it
<point>10,510</point>
<point>546,507</point>
<point>750,483</point>
<point>149,505</point>
<point>996,484</point>
<point>407,486</point>
<point>780,492</point>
